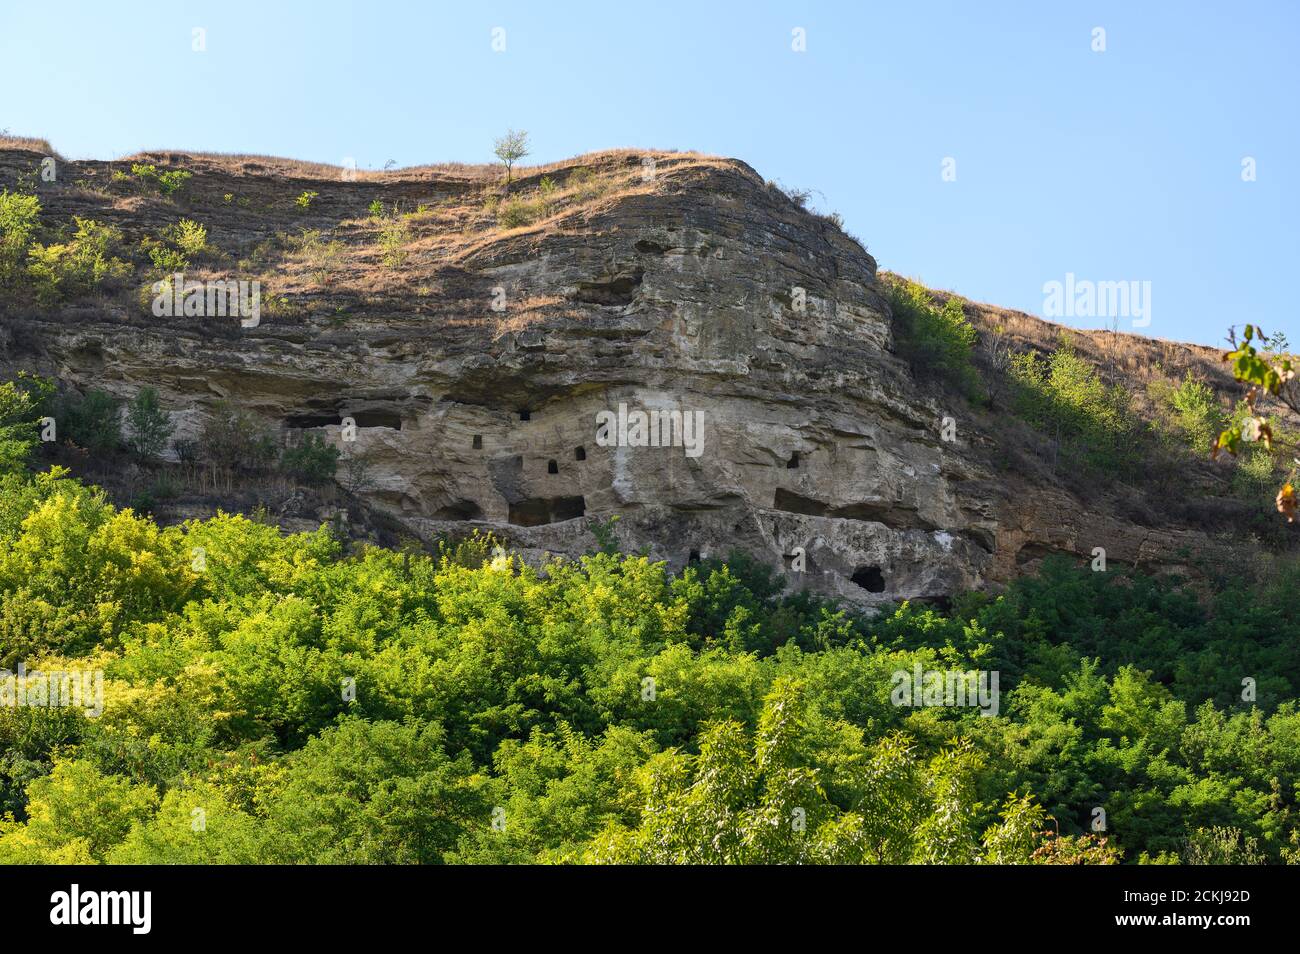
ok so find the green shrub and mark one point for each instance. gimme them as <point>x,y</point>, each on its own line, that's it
<point>23,402</point>
<point>394,236</point>
<point>19,214</point>
<point>933,339</point>
<point>175,246</point>
<point>148,425</point>
<point>167,183</point>
<point>1063,396</point>
<point>311,460</point>
<point>233,439</point>
<point>305,200</point>
<point>1191,415</point>
<point>93,421</point>
<point>79,265</point>
<point>517,211</point>
<point>188,236</point>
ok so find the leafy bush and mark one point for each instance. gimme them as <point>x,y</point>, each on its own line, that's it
<point>176,246</point>
<point>1063,396</point>
<point>517,211</point>
<point>933,339</point>
<point>148,425</point>
<point>305,200</point>
<point>23,402</point>
<point>1192,416</point>
<point>93,421</point>
<point>233,439</point>
<point>166,182</point>
<point>311,460</point>
<point>394,236</point>
<point>19,215</point>
<point>78,265</point>
<point>188,236</point>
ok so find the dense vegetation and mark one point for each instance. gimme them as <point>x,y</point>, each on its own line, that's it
<point>277,698</point>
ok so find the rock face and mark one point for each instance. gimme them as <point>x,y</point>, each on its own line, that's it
<point>477,372</point>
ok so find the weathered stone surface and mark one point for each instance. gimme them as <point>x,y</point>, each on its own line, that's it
<point>681,294</point>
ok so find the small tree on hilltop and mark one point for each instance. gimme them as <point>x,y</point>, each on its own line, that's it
<point>510,148</point>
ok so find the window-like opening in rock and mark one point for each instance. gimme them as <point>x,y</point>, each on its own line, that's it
<point>793,503</point>
<point>377,419</point>
<point>793,462</point>
<point>536,511</point>
<point>525,415</point>
<point>869,578</point>
<point>694,557</point>
<point>307,421</point>
<point>580,453</point>
<point>552,467</point>
<point>478,441</point>
<point>459,510</point>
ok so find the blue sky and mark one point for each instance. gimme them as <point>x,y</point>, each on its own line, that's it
<point>1122,165</point>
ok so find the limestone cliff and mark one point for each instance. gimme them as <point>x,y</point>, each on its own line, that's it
<point>475,358</point>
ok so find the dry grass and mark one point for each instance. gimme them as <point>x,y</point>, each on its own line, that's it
<point>29,144</point>
<point>528,312</point>
<point>467,173</point>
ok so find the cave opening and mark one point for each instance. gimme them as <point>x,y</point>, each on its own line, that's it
<point>793,462</point>
<point>580,453</point>
<point>552,467</point>
<point>537,511</point>
<point>459,510</point>
<point>478,442</point>
<point>869,578</point>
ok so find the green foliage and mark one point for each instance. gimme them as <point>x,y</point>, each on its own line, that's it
<point>1266,369</point>
<point>23,402</point>
<point>517,211</point>
<point>19,216</point>
<point>79,265</point>
<point>188,236</point>
<point>176,246</point>
<point>1062,395</point>
<point>234,439</point>
<point>269,699</point>
<point>305,200</point>
<point>148,425</point>
<point>394,236</point>
<point>1192,417</point>
<point>935,339</point>
<point>167,182</point>
<point>510,148</point>
<point>311,460</point>
<point>93,421</point>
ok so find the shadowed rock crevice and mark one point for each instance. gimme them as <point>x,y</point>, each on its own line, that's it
<point>617,290</point>
<point>536,511</point>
